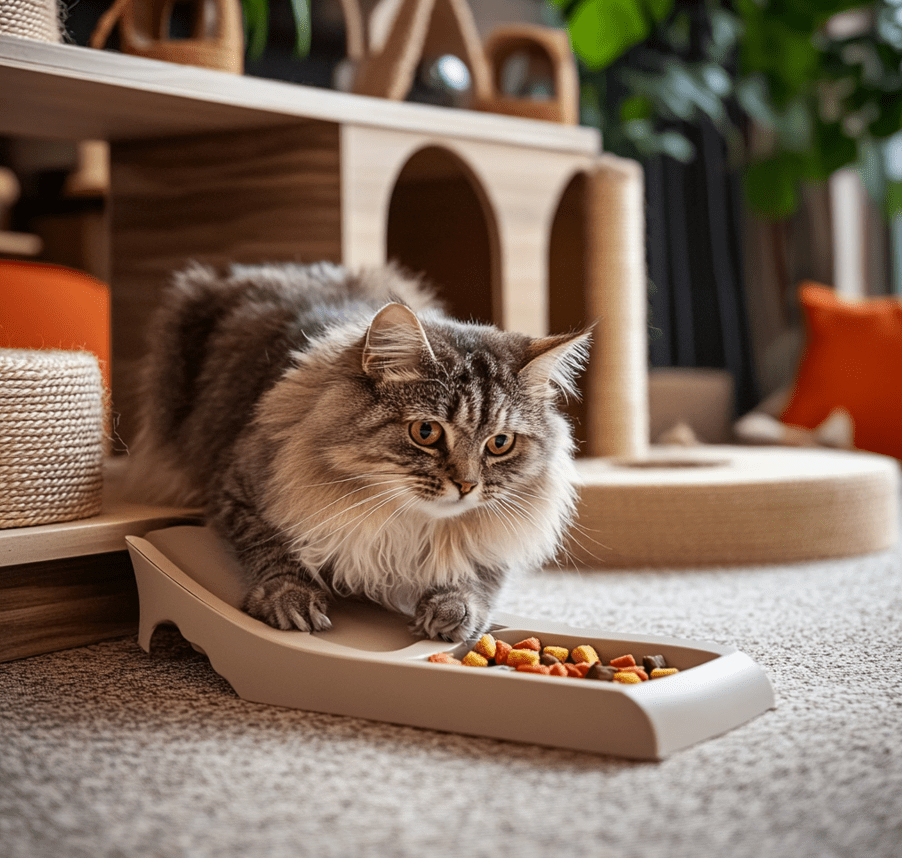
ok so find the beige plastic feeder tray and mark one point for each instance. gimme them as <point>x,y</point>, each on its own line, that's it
<point>369,666</point>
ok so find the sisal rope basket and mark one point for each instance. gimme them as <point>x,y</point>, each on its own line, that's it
<point>51,436</point>
<point>32,19</point>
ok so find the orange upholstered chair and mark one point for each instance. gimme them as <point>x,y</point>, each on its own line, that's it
<point>45,306</point>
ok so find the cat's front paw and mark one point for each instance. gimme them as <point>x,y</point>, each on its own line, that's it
<point>449,615</point>
<point>285,602</point>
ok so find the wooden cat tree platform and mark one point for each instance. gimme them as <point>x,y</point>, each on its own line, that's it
<point>516,220</point>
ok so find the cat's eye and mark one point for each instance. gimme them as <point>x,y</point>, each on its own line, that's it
<point>426,433</point>
<point>498,445</point>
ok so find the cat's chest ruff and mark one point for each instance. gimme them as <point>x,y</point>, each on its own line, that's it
<point>393,559</point>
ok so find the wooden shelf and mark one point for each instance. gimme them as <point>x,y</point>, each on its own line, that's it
<point>101,534</point>
<point>71,583</point>
<point>76,93</point>
<point>19,243</point>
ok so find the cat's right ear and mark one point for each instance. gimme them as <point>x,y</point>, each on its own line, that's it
<point>396,346</point>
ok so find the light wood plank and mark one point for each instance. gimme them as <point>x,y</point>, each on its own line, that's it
<point>72,92</point>
<point>98,535</point>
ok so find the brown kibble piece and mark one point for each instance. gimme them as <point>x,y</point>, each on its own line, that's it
<point>600,672</point>
<point>653,662</point>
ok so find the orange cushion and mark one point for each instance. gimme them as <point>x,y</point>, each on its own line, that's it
<point>52,307</point>
<point>852,359</point>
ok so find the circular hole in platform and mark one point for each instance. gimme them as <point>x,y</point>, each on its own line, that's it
<point>671,464</point>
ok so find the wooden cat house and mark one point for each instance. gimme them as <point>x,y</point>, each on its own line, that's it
<point>516,220</point>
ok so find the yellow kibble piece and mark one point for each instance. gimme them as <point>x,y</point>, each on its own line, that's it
<point>584,654</point>
<point>627,677</point>
<point>487,646</point>
<point>561,653</point>
<point>474,659</point>
<point>663,671</point>
<point>516,657</point>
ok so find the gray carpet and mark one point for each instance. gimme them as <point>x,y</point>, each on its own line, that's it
<point>105,751</point>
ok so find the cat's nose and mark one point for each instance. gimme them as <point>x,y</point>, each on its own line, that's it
<point>464,486</point>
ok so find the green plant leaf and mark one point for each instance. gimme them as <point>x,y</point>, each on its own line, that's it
<point>771,185</point>
<point>602,30</point>
<point>892,200</point>
<point>256,26</point>
<point>300,9</point>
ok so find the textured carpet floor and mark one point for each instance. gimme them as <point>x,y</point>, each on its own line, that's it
<point>106,751</point>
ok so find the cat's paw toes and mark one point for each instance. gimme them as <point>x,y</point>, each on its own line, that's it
<point>286,603</point>
<point>451,617</point>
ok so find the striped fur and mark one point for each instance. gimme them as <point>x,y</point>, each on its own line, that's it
<point>282,397</point>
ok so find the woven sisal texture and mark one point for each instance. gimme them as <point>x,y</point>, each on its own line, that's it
<point>51,436</point>
<point>616,292</point>
<point>32,19</point>
<point>723,505</point>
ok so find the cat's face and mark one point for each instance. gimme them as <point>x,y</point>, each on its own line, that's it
<point>460,416</point>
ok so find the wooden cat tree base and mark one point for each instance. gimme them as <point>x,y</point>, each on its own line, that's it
<point>722,505</point>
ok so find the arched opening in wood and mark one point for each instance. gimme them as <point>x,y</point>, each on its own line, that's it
<point>440,224</point>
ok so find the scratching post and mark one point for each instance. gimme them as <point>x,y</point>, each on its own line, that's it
<point>31,19</point>
<point>617,381</point>
<point>51,436</point>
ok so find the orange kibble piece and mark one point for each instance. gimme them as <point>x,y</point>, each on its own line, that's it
<point>487,646</point>
<point>639,671</point>
<point>517,656</point>
<point>529,643</point>
<point>627,677</point>
<point>561,653</point>
<point>583,667</point>
<point>534,668</point>
<point>501,651</point>
<point>558,670</point>
<point>623,661</point>
<point>443,658</point>
<point>474,659</point>
<point>658,672</point>
<point>585,655</point>
<point>574,670</point>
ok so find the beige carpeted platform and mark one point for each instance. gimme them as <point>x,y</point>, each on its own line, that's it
<point>106,752</point>
<point>690,506</point>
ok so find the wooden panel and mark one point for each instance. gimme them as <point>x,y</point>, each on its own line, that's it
<point>66,603</point>
<point>216,198</point>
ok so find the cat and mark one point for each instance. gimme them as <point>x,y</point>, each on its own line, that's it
<point>347,437</point>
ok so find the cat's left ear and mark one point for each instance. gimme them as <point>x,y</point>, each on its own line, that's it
<point>396,347</point>
<point>555,363</point>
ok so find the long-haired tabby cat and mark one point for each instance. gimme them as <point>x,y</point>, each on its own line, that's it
<point>347,437</point>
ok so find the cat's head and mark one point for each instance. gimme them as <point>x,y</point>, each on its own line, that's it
<point>462,415</point>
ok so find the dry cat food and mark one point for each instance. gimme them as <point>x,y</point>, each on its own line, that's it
<point>581,662</point>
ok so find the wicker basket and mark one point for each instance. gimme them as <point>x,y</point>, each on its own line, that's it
<point>32,19</point>
<point>51,436</point>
